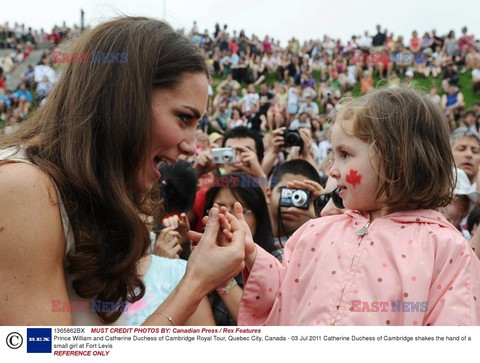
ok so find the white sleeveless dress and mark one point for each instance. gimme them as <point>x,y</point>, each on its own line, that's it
<point>15,154</point>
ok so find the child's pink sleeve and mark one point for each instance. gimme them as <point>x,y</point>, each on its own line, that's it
<point>454,297</point>
<point>263,283</point>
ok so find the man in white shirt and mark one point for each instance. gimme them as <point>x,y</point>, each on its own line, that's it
<point>309,106</point>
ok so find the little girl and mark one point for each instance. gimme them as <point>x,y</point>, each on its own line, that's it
<point>391,258</point>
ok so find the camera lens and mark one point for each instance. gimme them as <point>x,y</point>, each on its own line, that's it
<point>299,198</point>
<point>292,138</point>
<point>227,156</point>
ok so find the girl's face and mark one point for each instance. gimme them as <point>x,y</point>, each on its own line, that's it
<point>355,169</point>
<point>225,198</point>
<point>174,116</point>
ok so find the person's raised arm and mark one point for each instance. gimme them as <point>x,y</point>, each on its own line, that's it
<point>271,155</point>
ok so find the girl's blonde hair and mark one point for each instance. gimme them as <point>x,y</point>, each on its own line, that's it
<point>409,136</point>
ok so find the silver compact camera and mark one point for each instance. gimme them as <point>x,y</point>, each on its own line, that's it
<point>223,155</point>
<point>298,198</point>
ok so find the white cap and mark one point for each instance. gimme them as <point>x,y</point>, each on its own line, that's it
<point>463,186</point>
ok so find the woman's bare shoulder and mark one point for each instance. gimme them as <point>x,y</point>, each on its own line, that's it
<point>32,247</point>
<point>22,178</point>
<point>29,203</point>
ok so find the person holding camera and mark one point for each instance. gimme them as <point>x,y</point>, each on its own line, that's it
<point>241,152</point>
<point>289,144</point>
<point>295,185</point>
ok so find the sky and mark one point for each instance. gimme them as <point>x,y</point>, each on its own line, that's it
<point>280,19</point>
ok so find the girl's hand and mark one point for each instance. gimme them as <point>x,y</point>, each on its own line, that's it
<point>250,247</point>
<point>168,243</point>
<point>181,225</point>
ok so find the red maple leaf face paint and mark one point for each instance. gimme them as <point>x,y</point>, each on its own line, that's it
<point>353,178</point>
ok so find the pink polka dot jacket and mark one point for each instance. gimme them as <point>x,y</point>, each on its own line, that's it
<point>406,268</point>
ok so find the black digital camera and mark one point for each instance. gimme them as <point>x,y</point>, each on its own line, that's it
<point>298,198</point>
<point>292,138</point>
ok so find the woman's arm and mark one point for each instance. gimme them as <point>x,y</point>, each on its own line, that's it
<point>203,315</point>
<point>32,249</point>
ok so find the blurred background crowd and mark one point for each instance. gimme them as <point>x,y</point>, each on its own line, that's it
<point>265,139</point>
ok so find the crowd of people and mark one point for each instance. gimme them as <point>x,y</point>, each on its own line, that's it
<point>281,131</point>
<point>17,42</point>
<point>285,161</point>
<point>258,119</point>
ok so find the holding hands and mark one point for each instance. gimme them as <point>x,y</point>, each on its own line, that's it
<point>220,253</point>
<point>224,248</point>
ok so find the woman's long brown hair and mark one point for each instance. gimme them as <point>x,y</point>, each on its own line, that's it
<point>91,137</point>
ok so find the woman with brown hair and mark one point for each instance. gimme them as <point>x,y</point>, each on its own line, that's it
<point>78,177</point>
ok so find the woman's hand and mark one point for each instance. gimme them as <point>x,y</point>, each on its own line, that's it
<point>250,248</point>
<point>168,243</point>
<point>209,264</point>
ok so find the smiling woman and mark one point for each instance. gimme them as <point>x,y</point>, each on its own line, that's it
<point>77,180</point>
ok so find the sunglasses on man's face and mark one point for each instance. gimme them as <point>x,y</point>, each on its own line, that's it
<point>322,200</point>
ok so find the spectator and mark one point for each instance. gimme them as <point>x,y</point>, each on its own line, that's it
<point>6,62</point>
<point>433,95</point>
<point>286,220</point>
<point>309,107</point>
<point>450,77</point>
<point>378,41</point>
<point>452,102</point>
<point>476,78</point>
<point>234,188</point>
<point>220,118</point>
<point>228,85</point>
<point>366,84</point>
<point>236,120</point>
<point>463,201</point>
<point>466,152</point>
<point>450,46</point>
